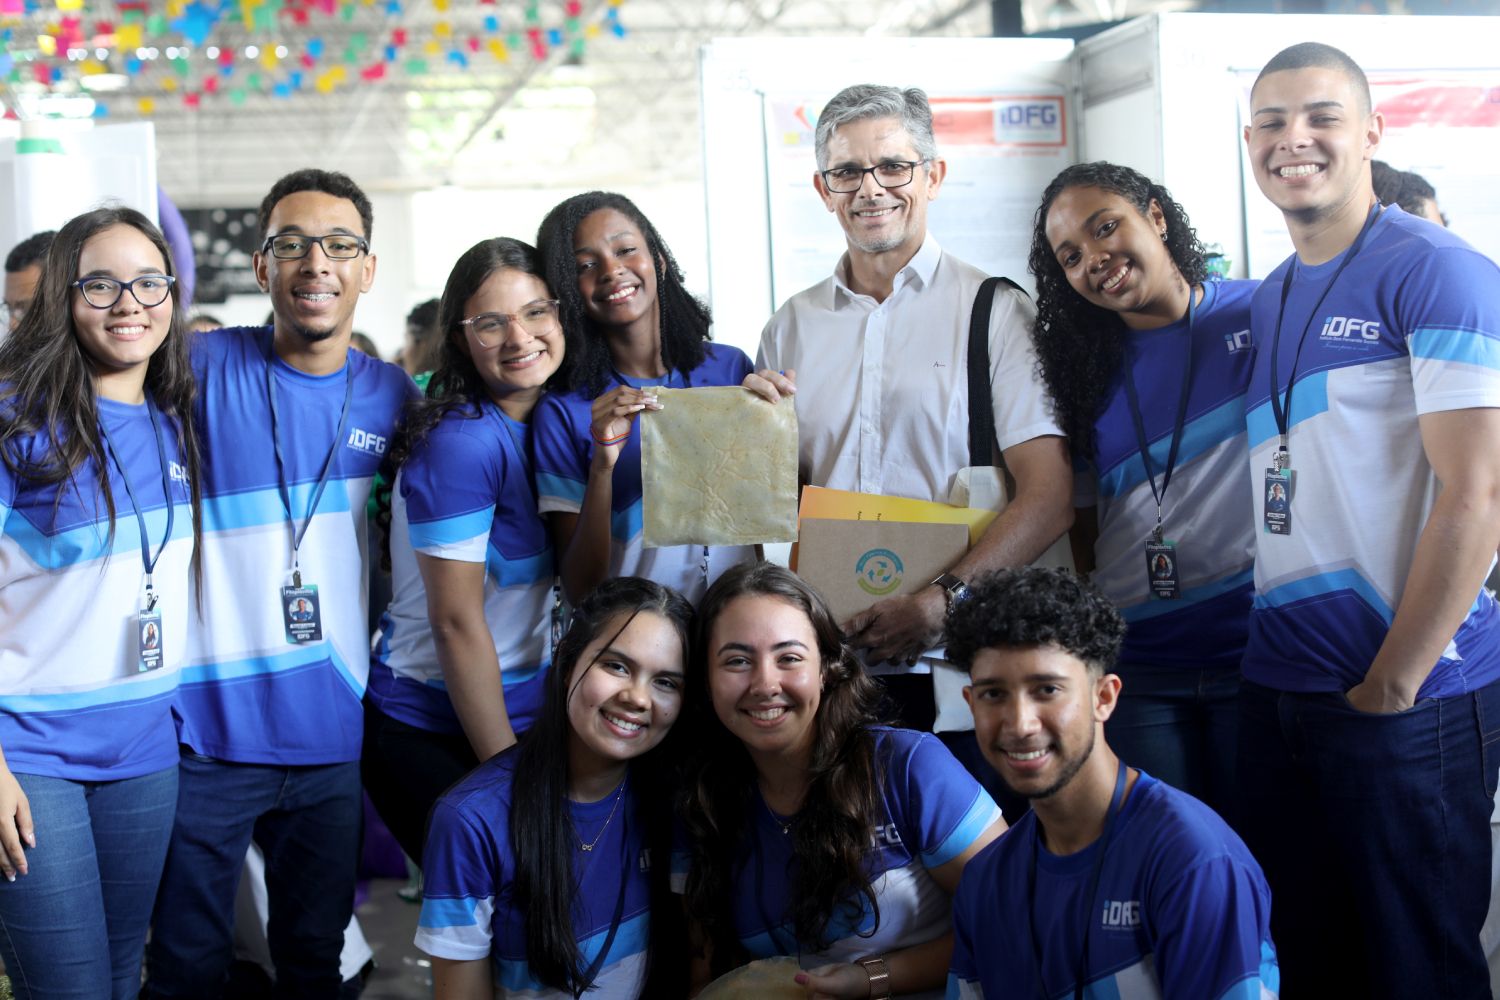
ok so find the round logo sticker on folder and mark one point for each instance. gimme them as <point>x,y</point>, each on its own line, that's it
<point>879,572</point>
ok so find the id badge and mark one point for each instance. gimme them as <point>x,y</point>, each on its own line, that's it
<point>1161,570</point>
<point>300,612</point>
<point>149,639</point>
<point>1278,516</point>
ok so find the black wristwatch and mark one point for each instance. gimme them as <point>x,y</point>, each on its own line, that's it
<point>956,589</point>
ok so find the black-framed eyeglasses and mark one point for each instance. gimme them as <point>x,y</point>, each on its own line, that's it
<point>336,246</point>
<point>149,290</point>
<point>890,174</point>
<point>538,318</point>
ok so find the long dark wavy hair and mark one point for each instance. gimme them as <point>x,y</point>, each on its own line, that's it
<point>684,320</point>
<point>49,384</point>
<point>456,384</point>
<point>1080,346</point>
<point>543,838</point>
<point>833,832</point>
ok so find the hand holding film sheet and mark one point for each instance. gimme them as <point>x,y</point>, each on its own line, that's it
<point>718,467</point>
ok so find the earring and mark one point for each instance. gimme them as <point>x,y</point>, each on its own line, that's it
<point>1164,236</point>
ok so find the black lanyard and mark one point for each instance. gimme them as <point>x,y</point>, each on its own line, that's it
<point>1093,890</point>
<point>1182,406</point>
<point>1282,459</point>
<point>338,439</point>
<point>614,924</point>
<point>166,492</point>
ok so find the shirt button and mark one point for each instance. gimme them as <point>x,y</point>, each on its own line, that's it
<point>869,368</point>
<point>869,429</point>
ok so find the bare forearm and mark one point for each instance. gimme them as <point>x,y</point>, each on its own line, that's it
<point>1453,555</point>
<point>1021,532</point>
<point>471,671</point>
<point>920,967</point>
<point>453,980</point>
<point>585,558</point>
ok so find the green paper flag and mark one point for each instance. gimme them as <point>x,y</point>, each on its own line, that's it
<point>416,67</point>
<point>237,96</point>
<point>180,65</point>
<point>156,24</point>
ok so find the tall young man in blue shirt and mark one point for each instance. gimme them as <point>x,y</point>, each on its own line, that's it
<point>269,719</point>
<point>1113,880</point>
<point>1369,710</point>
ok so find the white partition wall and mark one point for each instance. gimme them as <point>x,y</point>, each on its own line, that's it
<point>59,168</point>
<point>1166,94</point>
<point>1003,121</point>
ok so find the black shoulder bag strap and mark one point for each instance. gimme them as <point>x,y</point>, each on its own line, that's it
<point>981,403</point>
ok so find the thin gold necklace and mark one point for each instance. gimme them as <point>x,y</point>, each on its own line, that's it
<point>590,847</point>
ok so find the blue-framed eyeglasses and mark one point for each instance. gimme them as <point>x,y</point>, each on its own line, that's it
<point>149,290</point>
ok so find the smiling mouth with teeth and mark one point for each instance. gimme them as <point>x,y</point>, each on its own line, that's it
<point>1115,279</point>
<point>315,296</point>
<point>875,213</point>
<point>769,714</point>
<point>1300,170</point>
<point>623,293</point>
<point>522,359</point>
<point>624,724</point>
<point>1028,755</point>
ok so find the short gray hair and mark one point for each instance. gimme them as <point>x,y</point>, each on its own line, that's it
<point>873,100</point>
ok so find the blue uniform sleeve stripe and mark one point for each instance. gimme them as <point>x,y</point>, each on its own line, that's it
<point>522,572</point>
<point>1467,346</point>
<point>440,912</point>
<point>452,530</point>
<point>981,813</point>
<point>551,485</point>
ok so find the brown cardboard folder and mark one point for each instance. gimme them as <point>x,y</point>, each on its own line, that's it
<point>854,564</point>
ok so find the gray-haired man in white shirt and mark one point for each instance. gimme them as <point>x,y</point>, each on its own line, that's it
<point>878,352</point>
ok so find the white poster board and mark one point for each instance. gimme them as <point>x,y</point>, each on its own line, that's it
<point>1442,124</point>
<point>1001,149</point>
<point>79,169</point>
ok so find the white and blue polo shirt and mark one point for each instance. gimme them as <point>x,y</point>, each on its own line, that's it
<point>466,494</point>
<point>1182,911</point>
<point>1411,327</point>
<point>468,876</point>
<point>564,449</point>
<point>1207,508</point>
<point>931,811</point>
<point>73,701</point>
<point>247,694</point>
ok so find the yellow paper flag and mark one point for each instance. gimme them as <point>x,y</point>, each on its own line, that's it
<point>268,57</point>
<point>128,38</point>
<point>70,4</point>
<point>146,105</point>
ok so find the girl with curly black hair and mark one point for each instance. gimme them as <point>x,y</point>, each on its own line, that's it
<point>812,830</point>
<point>632,328</point>
<point>1147,361</point>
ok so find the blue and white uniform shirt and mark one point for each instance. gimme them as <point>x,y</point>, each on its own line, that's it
<point>564,449</point>
<point>466,494</point>
<point>1206,511</point>
<point>1183,911</point>
<point>932,811</point>
<point>73,702</point>
<point>468,875</point>
<point>1411,327</point>
<point>247,694</point>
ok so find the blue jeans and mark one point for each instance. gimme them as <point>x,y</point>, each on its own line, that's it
<point>1178,725</point>
<point>1374,833</point>
<point>308,822</point>
<point>75,926</point>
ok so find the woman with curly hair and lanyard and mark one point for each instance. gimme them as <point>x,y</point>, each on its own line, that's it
<point>1147,359</point>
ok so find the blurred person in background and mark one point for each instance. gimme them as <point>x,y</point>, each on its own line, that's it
<point>23,269</point>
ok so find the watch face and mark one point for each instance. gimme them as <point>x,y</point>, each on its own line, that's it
<point>961,593</point>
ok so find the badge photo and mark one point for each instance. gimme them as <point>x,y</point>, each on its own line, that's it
<point>149,640</point>
<point>1278,500</point>
<point>301,614</point>
<point>1161,570</point>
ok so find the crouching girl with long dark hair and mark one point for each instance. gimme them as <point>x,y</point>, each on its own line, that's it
<point>811,830</point>
<point>546,870</point>
<point>99,508</point>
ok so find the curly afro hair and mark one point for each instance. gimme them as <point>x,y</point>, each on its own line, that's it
<point>1080,346</point>
<point>685,321</point>
<point>1037,607</point>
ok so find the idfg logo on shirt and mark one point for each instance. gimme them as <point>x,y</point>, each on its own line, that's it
<point>1122,913</point>
<point>177,472</point>
<point>370,444</point>
<point>1346,329</point>
<point>879,571</point>
<point>1237,342</point>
